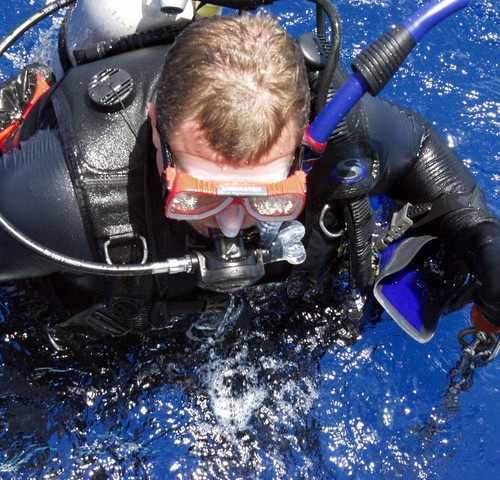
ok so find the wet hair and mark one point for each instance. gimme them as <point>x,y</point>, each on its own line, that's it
<point>242,78</point>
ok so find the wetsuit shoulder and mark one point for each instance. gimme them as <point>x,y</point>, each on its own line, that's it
<point>37,197</point>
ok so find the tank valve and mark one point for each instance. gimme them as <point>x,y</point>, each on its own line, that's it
<point>172,7</point>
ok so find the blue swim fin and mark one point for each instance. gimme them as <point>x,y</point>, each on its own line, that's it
<point>403,289</point>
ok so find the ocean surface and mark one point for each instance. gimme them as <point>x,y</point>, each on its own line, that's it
<point>300,392</point>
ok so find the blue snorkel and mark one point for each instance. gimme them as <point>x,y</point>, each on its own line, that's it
<point>376,65</point>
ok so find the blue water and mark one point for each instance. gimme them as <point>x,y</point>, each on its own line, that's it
<point>301,393</point>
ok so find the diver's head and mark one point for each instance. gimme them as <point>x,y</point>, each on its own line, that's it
<point>93,21</point>
<point>242,77</point>
<point>232,104</point>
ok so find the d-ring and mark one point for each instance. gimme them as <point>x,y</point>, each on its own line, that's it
<point>323,227</point>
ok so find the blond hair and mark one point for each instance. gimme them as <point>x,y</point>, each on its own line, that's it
<point>241,77</point>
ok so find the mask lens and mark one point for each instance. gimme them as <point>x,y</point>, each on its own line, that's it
<point>190,205</point>
<point>277,208</point>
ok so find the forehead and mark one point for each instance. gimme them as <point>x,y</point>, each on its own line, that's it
<point>194,155</point>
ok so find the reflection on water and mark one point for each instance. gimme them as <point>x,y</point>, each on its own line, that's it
<point>234,400</point>
<point>276,386</point>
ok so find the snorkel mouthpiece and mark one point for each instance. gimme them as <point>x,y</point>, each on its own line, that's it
<point>287,245</point>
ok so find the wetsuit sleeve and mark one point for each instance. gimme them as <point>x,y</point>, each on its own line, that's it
<point>417,166</point>
<point>37,197</point>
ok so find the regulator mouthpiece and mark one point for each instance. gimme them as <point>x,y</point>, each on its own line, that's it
<point>234,264</point>
<point>172,7</point>
<point>288,244</point>
<point>231,265</point>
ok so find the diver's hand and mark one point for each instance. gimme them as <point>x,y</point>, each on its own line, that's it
<point>487,269</point>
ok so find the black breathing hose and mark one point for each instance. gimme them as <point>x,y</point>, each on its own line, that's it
<point>334,54</point>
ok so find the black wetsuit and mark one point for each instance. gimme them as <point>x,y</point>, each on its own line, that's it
<point>89,174</point>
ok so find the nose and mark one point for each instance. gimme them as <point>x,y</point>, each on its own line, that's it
<point>230,220</point>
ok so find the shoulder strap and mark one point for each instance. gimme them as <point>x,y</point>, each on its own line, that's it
<point>101,112</point>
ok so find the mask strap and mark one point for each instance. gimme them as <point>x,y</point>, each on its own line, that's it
<point>298,160</point>
<point>168,159</point>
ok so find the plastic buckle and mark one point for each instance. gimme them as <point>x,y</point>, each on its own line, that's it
<point>400,223</point>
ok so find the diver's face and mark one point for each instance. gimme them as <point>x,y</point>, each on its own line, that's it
<point>193,155</point>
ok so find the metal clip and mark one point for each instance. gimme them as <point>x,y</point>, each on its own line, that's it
<point>323,227</point>
<point>107,244</point>
<point>483,348</point>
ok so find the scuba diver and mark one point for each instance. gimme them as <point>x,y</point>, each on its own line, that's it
<point>167,138</point>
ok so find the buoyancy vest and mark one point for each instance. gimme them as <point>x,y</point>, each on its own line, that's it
<point>112,163</point>
<point>101,113</point>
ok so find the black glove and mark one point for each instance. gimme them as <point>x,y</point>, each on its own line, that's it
<point>486,267</point>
